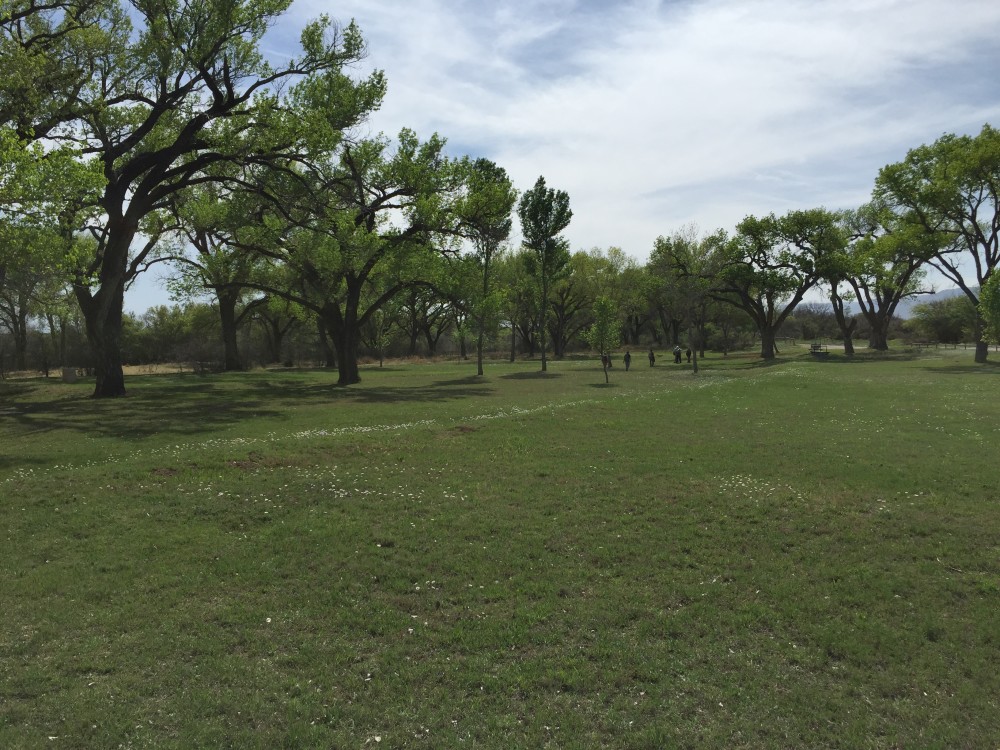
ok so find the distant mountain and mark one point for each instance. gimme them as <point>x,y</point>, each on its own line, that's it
<point>905,309</point>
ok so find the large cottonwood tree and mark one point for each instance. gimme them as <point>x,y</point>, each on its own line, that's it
<point>378,217</point>
<point>185,90</point>
<point>770,264</point>
<point>952,189</point>
<point>882,263</point>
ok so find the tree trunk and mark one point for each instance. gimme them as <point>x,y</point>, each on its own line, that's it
<point>693,348</point>
<point>346,335</point>
<point>982,351</point>
<point>346,343</point>
<point>479,354</point>
<point>227,314</point>
<point>102,310</point>
<point>544,319</point>
<point>329,356</point>
<point>58,339</point>
<point>846,327</point>
<point>102,315</point>
<point>21,340</point>
<point>878,339</point>
<point>767,344</point>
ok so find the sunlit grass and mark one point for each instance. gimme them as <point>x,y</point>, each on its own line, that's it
<point>801,554</point>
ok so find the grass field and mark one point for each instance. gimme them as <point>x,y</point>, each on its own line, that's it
<point>800,554</point>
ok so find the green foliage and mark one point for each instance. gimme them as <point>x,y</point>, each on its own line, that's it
<point>771,262</point>
<point>606,332</point>
<point>951,188</point>
<point>544,212</point>
<point>185,98</point>
<point>989,307</point>
<point>485,212</point>
<point>948,321</point>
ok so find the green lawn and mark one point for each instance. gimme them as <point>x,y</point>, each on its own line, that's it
<point>801,554</point>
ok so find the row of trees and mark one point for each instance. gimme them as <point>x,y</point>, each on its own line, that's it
<point>160,133</point>
<point>418,322</point>
<point>939,209</point>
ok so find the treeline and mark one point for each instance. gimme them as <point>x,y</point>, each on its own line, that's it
<point>419,324</point>
<point>158,133</point>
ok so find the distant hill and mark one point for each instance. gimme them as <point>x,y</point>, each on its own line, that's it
<point>905,309</point>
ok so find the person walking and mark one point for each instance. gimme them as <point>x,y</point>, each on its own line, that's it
<point>688,353</point>
<point>652,358</point>
<point>628,360</point>
<point>677,354</point>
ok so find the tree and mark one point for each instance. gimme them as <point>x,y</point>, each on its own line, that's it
<point>989,308</point>
<point>948,321</point>
<point>544,213</point>
<point>951,189</point>
<point>164,103</point>
<point>277,317</point>
<point>771,263</point>
<point>50,51</point>
<point>883,263</point>
<point>373,218</point>
<point>670,272</point>
<point>206,217</point>
<point>605,334</point>
<point>486,212</point>
<point>519,303</point>
<point>571,299</point>
<point>35,186</point>
<point>690,266</point>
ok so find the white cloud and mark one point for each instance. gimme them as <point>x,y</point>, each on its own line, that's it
<point>654,114</point>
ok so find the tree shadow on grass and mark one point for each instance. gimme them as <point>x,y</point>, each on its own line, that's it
<point>744,364</point>
<point>467,380</point>
<point>535,375</point>
<point>604,385</point>
<point>21,462</point>
<point>327,393</point>
<point>188,405</point>
<point>973,368</point>
<point>435,392</point>
<point>10,390</point>
<point>145,413</point>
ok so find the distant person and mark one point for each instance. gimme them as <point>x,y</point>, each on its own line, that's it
<point>652,358</point>
<point>628,360</point>
<point>677,354</point>
<point>688,353</point>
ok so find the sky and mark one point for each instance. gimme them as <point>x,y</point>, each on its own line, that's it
<point>658,115</point>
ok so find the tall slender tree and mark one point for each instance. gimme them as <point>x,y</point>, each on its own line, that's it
<point>486,213</point>
<point>544,213</point>
<point>605,332</point>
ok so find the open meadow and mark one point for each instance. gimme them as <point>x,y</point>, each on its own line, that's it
<point>804,553</point>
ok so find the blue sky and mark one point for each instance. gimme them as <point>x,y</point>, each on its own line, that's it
<point>657,115</point>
